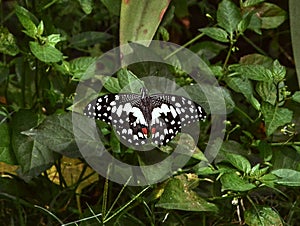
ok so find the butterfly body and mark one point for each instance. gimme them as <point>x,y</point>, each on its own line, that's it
<point>144,118</point>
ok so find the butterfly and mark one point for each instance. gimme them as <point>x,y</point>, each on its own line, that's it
<point>141,119</point>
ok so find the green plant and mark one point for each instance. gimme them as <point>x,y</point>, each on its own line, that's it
<point>46,47</point>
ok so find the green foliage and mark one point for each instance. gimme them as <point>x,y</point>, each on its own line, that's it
<point>46,48</point>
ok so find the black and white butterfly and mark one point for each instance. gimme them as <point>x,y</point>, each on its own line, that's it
<point>141,119</point>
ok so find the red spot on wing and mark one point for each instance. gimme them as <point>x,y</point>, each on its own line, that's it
<point>144,130</point>
<point>153,130</point>
<point>126,1</point>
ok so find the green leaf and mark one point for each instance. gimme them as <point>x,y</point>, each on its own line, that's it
<point>244,86</point>
<point>53,39</point>
<point>257,59</point>
<point>178,195</point>
<point>8,43</point>
<point>265,150</point>
<point>45,53</point>
<point>89,38</point>
<point>253,72</point>
<point>181,8</point>
<point>144,23</point>
<point>129,82</point>
<point>240,85</point>
<point>228,16</point>
<point>271,15</point>
<point>32,155</point>
<point>262,216</point>
<point>248,3</point>
<point>113,6</point>
<point>208,50</point>
<point>27,20</point>
<point>238,161</point>
<point>56,134</point>
<point>86,5</point>
<point>278,71</point>
<point>287,177</point>
<point>245,22</point>
<point>6,153</point>
<point>275,117</point>
<point>267,91</point>
<point>79,66</point>
<point>115,143</point>
<point>233,182</point>
<point>215,33</point>
<point>112,84</point>
<point>255,24</point>
<point>296,96</point>
<point>40,28</point>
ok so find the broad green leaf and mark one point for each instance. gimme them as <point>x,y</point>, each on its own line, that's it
<point>262,216</point>
<point>113,6</point>
<point>86,5</point>
<point>240,85</point>
<point>278,71</point>
<point>228,16</point>
<point>208,50</point>
<point>6,153</point>
<point>267,91</point>
<point>257,59</point>
<point>285,157</point>
<point>244,23</point>
<point>268,180</point>
<point>253,72</point>
<point>255,24</point>
<point>8,43</point>
<point>179,195</point>
<point>112,84</point>
<point>287,177</point>
<point>265,150</point>
<point>32,155</point>
<point>45,53</point>
<point>27,20</point>
<point>238,161</point>
<point>248,3</point>
<point>139,19</point>
<point>181,8</point>
<point>296,96</point>
<point>89,38</point>
<point>234,182</point>
<point>275,117</point>
<point>53,39</point>
<point>271,15</point>
<point>79,66</point>
<point>215,33</point>
<point>129,82</point>
<point>56,134</point>
<point>244,86</point>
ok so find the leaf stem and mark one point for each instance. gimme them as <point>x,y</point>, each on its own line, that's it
<point>254,46</point>
<point>244,114</point>
<point>126,205</point>
<point>185,45</point>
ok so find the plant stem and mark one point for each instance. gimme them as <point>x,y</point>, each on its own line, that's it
<point>255,46</point>
<point>185,45</point>
<point>244,114</point>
